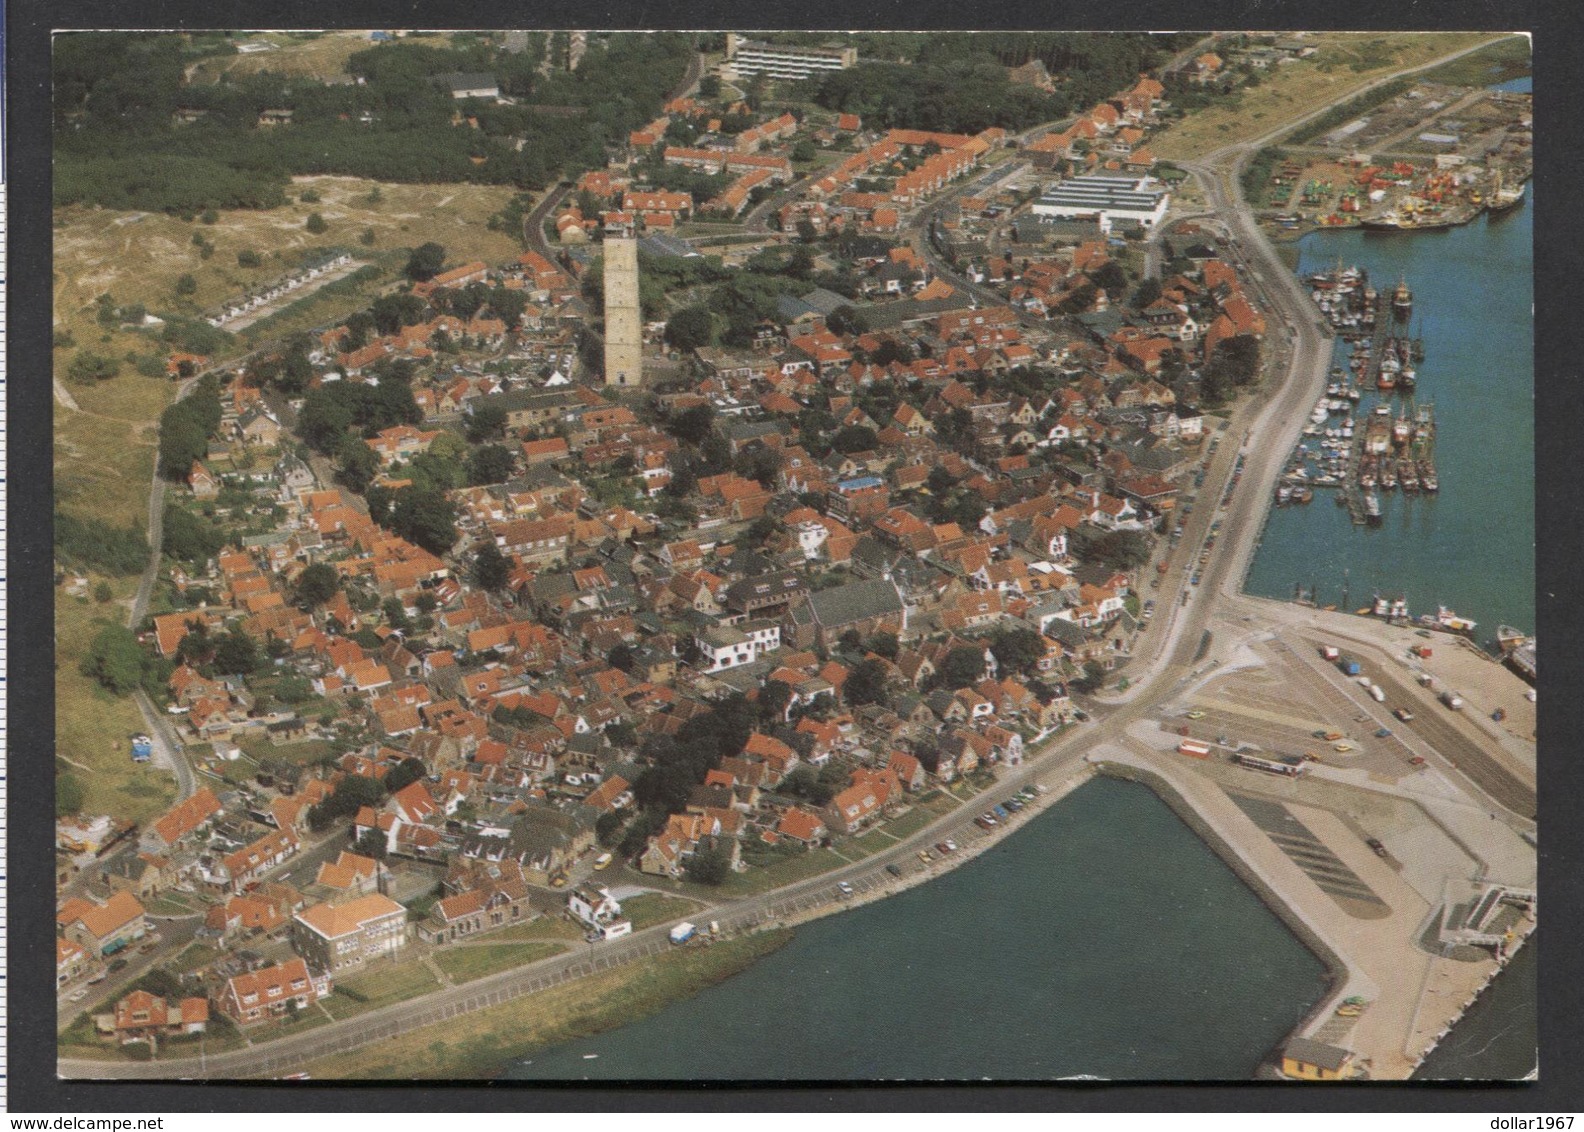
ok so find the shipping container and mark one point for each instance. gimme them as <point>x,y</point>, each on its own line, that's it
<point>1194,749</point>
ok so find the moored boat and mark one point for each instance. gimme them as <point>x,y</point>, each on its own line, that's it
<point>1402,300</point>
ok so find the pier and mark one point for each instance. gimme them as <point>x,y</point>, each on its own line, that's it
<point>1383,451</point>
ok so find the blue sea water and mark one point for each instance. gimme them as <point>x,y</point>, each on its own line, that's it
<point>1470,548</point>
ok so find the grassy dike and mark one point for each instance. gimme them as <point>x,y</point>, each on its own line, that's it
<point>476,1046</point>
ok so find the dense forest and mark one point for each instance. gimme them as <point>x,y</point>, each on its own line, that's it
<point>958,82</point>
<point>118,141</point>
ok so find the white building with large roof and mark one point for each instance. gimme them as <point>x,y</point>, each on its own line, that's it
<point>1111,199</point>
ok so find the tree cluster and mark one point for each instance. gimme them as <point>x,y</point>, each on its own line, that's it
<point>118,144</point>
<point>185,428</point>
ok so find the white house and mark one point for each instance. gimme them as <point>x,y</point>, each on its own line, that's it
<point>594,906</point>
<point>811,535</point>
<point>724,647</point>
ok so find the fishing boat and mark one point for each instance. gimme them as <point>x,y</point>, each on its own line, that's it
<point>1401,429</point>
<point>1407,378</point>
<point>1402,300</point>
<point>1508,638</point>
<point>1372,509</point>
<point>1506,200</point>
<point>1427,476</point>
<point>1502,198</point>
<point>1447,621</point>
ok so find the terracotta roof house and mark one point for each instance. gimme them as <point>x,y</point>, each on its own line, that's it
<point>271,992</point>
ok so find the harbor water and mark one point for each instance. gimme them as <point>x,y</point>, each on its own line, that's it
<point>1103,939</point>
<point>1470,548</point>
<point>1496,1039</point>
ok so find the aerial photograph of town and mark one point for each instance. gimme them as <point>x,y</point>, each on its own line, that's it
<point>794,557</point>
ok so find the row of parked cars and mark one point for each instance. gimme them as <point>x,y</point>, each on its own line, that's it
<point>998,814</point>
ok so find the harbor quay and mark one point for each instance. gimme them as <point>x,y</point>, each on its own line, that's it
<point>1378,840</point>
<point>1410,995</point>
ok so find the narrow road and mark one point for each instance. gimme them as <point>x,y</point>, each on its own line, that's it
<point>168,750</point>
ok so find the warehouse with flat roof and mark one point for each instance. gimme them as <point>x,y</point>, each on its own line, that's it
<point>1109,199</point>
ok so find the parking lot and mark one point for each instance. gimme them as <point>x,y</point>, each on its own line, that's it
<point>1279,708</point>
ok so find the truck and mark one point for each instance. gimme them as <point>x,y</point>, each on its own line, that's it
<point>1194,749</point>
<point>1348,665</point>
<point>683,932</point>
<point>142,748</point>
<point>1377,693</point>
<point>1452,700</point>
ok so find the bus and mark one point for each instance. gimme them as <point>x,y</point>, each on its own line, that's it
<point>1194,749</point>
<point>1294,769</point>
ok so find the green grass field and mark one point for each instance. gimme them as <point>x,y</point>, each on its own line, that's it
<point>784,871</point>
<point>544,928</point>
<point>477,1045</point>
<point>468,962</point>
<point>656,908</point>
<point>1345,62</point>
<point>381,983</point>
<point>93,727</point>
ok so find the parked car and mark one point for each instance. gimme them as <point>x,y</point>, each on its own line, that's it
<point>79,994</point>
<point>1403,714</point>
<point>894,870</point>
<point>1375,844</point>
<point>951,846</point>
<point>1383,733</point>
<point>844,888</point>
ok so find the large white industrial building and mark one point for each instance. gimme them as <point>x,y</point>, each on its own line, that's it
<point>1110,199</point>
